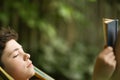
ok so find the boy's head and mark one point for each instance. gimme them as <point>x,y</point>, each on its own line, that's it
<point>6,34</point>
<point>12,56</point>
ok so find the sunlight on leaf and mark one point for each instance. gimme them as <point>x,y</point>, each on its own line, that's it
<point>65,11</point>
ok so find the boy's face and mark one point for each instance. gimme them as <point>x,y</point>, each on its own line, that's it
<point>16,61</point>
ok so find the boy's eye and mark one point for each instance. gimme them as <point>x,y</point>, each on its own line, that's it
<point>15,55</point>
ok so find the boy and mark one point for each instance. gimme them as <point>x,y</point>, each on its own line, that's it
<point>13,59</point>
<point>17,63</point>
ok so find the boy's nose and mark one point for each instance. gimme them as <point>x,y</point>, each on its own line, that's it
<point>26,56</point>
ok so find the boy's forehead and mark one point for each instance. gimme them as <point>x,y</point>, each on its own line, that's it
<point>11,45</point>
<point>12,42</point>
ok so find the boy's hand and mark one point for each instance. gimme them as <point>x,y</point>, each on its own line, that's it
<point>105,65</point>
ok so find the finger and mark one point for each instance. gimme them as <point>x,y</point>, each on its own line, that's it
<point>107,50</point>
<point>111,56</point>
<point>113,64</point>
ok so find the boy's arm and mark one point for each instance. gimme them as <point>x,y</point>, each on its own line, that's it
<point>105,65</point>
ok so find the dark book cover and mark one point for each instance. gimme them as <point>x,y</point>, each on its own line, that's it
<point>110,27</point>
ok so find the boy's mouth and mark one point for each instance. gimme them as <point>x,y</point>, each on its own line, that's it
<point>30,65</point>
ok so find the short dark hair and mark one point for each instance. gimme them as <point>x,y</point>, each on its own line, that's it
<point>6,34</point>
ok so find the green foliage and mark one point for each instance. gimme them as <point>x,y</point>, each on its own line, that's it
<point>92,0</point>
<point>65,11</point>
<point>4,18</point>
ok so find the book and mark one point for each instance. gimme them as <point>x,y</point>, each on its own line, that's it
<point>39,75</point>
<point>110,28</point>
